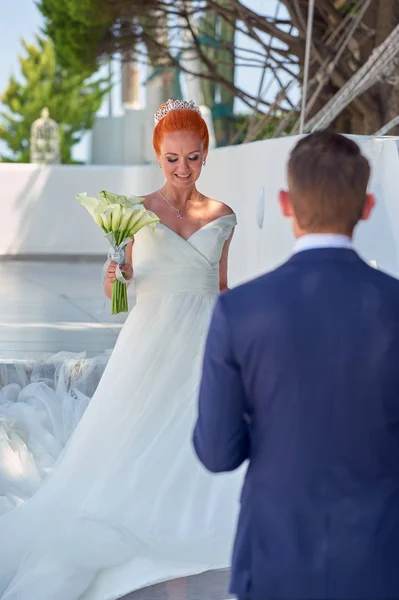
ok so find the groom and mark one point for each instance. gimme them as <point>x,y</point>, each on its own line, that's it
<point>301,379</point>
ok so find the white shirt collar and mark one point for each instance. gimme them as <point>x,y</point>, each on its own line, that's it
<point>312,241</point>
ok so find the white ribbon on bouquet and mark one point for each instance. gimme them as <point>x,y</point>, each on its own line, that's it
<point>117,254</point>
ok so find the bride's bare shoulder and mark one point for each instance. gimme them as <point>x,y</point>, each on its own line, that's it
<point>150,201</point>
<point>218,209</point>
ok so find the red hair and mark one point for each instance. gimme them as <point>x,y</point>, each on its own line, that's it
<point>181,119</point>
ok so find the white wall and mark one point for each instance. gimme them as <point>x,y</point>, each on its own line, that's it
<point>106,136</point>
<point>40,214</point>
<point>238,174</point>
<point>117,140</point>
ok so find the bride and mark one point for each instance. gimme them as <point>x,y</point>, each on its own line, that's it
<point>128,504</point>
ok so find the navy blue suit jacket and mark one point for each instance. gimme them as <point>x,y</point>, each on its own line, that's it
<point>301,378</point>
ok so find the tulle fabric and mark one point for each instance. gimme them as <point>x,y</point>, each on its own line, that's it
<point>40,406</point>
<point>127,503</point>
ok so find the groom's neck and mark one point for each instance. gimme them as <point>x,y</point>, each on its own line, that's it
<point>298,232</point>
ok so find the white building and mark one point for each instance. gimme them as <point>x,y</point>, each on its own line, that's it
<point>126,139</point>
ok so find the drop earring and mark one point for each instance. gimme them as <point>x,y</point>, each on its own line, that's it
<point>204,163</point>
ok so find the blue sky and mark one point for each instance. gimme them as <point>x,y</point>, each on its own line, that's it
<point>21,19</point>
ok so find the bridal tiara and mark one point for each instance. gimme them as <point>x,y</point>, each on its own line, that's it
<point>175,105</point>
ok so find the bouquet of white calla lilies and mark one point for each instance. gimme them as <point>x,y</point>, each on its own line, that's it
<point>120,217</point>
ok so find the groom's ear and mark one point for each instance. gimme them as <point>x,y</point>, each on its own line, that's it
<point>368,207</point>
<point>285,203</point>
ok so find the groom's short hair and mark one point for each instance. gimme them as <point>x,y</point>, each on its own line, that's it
<point>328,178</point>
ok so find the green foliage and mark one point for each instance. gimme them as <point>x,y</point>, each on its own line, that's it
<point>86,33</point>
<point>347,8</point>
<point>217,38</point>
<point>72,100</point>
<point>77,28</point>
<point>240,123</point>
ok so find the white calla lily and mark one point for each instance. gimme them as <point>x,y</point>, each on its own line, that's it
<point>126,201</point>
<point>106,218</point>
<point>140,220</point>
<point>91,204</point>
<point>132,201</point>
<point>120,217</point>
<point>116,218</point>
<point>125,218</point>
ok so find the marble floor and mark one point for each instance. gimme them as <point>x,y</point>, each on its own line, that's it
<point>46,308</point>
<point>207,586</point>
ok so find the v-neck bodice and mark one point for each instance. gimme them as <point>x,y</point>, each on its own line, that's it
<point>164,262</point>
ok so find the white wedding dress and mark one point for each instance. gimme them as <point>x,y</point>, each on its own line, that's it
<point>128,504</point>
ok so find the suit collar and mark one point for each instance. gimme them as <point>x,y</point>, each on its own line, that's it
<point>326,254</point>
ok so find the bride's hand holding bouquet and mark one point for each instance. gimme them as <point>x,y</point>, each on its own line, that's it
<point>120,217</point>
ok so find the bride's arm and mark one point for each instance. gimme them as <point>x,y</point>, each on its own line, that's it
<point>223,265</point>
<point>110,274</point>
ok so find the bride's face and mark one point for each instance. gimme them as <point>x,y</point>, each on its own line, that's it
<point>181,158</point>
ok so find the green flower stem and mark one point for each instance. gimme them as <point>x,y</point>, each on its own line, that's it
<point>119,301</point>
